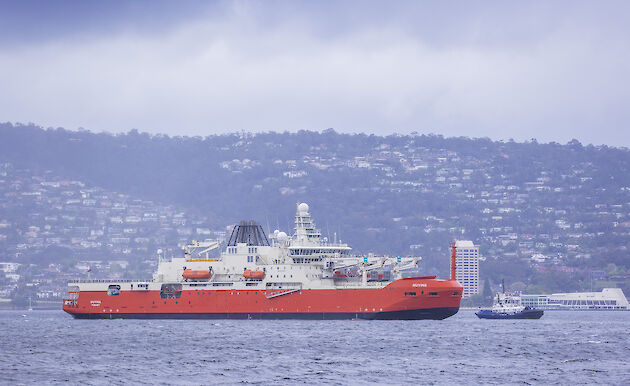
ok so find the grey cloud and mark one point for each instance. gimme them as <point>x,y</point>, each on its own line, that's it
<point>521,70</point>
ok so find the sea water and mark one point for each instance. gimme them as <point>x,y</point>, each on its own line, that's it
<point>564,347</point>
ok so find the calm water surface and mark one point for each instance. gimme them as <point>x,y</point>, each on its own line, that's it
<point>564,347</point>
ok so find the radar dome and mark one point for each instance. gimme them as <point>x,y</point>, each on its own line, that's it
<point>303,207</point>
<point>282,236</point>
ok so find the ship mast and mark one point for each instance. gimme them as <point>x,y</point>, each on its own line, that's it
<point>304,226</point>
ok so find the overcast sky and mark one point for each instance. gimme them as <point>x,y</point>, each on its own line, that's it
<point>550,70</point>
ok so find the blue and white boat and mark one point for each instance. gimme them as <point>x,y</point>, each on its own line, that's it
<point>508,306</point>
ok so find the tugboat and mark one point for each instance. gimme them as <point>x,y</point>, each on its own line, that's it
<point>508,306</point>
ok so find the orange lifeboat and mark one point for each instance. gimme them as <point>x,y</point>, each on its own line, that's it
<point>196,274</point>
<point>249,274</point>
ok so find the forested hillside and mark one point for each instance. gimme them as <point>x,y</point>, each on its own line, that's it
<point>556,212</point>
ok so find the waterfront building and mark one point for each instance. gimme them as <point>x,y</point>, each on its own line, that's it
<point>607,299</point>
<point>467,267</point>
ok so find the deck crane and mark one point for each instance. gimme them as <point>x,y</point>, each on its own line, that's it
<point>191,250</point>
<point>367,264</point>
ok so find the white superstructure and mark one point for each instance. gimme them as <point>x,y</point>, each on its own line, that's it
<point>467,262</point>
<point>607,299</point>
<point>304,260</point>
<point>507,303</point>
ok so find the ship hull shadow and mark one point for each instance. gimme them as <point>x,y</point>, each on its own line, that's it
<point>528,314</point>
<point>418,314</point>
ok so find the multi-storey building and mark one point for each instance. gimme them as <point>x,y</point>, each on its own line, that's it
<point>467,267</point>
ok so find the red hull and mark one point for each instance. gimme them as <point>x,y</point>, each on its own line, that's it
<point>412,298</point>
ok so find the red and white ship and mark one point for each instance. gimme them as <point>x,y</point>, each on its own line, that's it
<point>299,277</point>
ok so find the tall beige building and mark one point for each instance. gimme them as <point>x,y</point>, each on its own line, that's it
<point>467,266</point>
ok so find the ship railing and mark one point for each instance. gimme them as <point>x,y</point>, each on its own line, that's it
<point>109,280</point>
<point>359,284</point>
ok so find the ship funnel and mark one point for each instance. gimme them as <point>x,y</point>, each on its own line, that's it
<point>249,233</point>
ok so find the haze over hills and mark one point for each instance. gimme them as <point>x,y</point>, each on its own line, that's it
<point>556,213</point>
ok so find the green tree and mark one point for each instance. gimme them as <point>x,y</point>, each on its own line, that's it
<point>487,292</point>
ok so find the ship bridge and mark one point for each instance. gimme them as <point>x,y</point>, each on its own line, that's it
<point>306,244</point>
